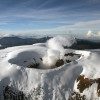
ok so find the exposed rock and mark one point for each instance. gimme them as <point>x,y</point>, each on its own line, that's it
<point>72,54</point>
<point>59,62</point>
<point>41,59</point>
<point>68,61</point>
<point>77,96</point>
<point>10,94</point>
<point>85,83</point>
<point>34,65</point>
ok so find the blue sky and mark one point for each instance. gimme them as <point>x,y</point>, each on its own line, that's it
<point>65,16</point>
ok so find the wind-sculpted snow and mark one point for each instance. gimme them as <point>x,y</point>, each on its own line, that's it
<point>47,71</point>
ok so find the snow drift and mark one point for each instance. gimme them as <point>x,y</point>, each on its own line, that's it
<point>47,71</point>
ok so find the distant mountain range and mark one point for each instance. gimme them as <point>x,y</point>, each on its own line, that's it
<point>17,41</point>
<point>80,44</point>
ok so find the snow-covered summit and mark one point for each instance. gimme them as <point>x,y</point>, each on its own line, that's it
<point>47,71</point>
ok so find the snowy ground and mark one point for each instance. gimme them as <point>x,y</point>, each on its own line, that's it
<point>35,70</point>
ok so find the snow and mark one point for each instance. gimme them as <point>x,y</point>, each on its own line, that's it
<point>46,83</point>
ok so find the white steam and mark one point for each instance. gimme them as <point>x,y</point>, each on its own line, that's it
<point>58,42</point>
<point>56,49</point>
<point>51,57</point>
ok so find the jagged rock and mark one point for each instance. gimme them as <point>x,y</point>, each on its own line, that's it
<point>10,94</point>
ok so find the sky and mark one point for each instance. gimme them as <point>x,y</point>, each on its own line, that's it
<point>76,17</point>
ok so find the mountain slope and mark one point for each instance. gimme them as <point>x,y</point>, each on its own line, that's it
<point>47,71</point>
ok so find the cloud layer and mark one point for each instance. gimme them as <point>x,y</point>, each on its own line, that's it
<point>49,16</point>
<point>93,35</point>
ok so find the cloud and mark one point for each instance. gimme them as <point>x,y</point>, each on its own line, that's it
<point>78,27</point>
<point>92,34</point>
<point>78,30</point>
<point>25,10</point>
<point>81,26</point>
<point>3,23</point>
<point>93,1</point>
